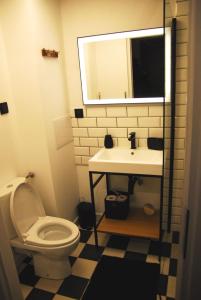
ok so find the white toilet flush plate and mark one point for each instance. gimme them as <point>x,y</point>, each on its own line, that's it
<point>124,160</point>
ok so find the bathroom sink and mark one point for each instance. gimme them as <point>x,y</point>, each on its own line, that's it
<point>124,160</point>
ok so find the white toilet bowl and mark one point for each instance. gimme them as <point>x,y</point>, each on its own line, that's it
<point>49,262</point>
<point>49,239</point>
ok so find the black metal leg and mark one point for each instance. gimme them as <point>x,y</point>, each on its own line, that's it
<point>94,207</point>
<point>107,182</point>
<point>161,216</point>
<point>93,185</point>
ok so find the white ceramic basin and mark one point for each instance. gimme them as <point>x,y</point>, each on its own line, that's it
<point>124,160</point>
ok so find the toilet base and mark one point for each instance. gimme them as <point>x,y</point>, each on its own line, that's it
<point>50,268</point>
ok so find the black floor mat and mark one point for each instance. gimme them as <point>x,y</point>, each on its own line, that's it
<point>123,279</point>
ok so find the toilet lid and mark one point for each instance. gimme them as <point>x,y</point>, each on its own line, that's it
<point>25,208</point>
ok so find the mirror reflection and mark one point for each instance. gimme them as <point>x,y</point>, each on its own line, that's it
<point>126,67</point>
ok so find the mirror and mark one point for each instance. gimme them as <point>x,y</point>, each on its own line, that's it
<point>125,67</point>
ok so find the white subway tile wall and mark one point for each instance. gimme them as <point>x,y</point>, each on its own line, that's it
<point>89,132</point>
<point>96,112</point>
<point>116,111</point>
<point>127,122</point>
<point>138,111</point>
<point>97,132</point>
<point>87,122</point>
<point>93,142</point>
<point>106,122</point>
<point>146,120</point>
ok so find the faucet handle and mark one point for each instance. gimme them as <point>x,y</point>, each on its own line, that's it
<point>132,139</point>
<point>132,134</point>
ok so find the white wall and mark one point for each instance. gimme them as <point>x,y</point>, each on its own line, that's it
<point>22,65</point>
<point>8,168</point>
<point>39,94</point>
<point>55,105</point>
<point>110,75</point>
<point>82,18</point>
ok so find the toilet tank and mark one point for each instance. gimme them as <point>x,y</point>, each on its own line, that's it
<point>5,193</point>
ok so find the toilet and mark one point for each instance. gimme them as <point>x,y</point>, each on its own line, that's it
<point>50,240</point>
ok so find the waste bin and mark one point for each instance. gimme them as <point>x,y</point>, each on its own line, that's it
<point>85,215</point>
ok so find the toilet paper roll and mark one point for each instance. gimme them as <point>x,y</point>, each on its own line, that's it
<point>121,198</point>
<point>111,197</point>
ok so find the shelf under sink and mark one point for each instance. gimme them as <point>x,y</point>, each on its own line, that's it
<point>136,225</point>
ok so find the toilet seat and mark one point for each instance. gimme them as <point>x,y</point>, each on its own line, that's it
<point>25,207</point>
<point>31,223</point>
<point>51,231</point>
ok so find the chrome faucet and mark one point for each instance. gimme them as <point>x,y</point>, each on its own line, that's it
<point>131,138</point>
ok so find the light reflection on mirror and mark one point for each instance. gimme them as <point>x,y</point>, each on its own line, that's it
<point>125,67</point>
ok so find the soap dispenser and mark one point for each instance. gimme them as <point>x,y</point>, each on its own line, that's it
<point>108,142</point>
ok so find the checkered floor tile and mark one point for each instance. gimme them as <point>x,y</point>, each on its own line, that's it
<point>85,258</point>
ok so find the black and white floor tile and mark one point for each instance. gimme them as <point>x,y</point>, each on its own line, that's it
<point>85,258</point>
